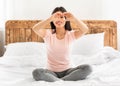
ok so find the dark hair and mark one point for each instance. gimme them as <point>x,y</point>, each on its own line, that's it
<point>67,24</point>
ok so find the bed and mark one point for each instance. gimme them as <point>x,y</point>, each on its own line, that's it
<point>25,51</point>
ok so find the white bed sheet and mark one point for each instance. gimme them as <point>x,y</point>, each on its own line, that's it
<point>105,74</point>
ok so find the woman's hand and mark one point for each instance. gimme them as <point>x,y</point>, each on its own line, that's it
<point>56,16</point>
<point>69,16</point>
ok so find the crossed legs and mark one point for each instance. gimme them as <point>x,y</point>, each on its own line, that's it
<point>72,74</point>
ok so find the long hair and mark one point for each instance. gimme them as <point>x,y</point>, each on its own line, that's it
<point>67,24</point>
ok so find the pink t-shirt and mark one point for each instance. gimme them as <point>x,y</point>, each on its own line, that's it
<point>58,51</point>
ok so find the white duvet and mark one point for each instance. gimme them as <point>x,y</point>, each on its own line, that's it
<point>14,71</point>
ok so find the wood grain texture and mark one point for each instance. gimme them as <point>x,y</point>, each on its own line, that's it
<point>21,31</point>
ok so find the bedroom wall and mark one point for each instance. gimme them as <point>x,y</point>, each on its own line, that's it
<point>41,9</point>
<point>111,11</point>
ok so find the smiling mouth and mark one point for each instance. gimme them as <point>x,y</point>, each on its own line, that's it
<point>58,22</point>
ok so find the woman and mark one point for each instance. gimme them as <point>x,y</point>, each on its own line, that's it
<point>58,40</point>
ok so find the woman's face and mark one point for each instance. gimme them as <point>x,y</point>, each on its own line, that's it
<point>59,21</point>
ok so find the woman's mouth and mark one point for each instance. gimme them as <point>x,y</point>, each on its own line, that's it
<point>58,22</point>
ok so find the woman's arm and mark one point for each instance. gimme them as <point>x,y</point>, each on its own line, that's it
<point>39,27</point>
<point>82,27</point>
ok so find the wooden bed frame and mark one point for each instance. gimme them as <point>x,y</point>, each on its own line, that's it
<point>21,31</point>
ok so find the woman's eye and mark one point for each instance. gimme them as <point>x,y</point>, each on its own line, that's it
<point>62,17</point>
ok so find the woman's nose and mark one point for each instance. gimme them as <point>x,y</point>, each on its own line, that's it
<point>61,16</point>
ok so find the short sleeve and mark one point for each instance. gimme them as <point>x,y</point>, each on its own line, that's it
<point>48,33</point>
<point>72,34</point>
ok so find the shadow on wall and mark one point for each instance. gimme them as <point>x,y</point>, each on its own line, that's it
<point>1,42</point>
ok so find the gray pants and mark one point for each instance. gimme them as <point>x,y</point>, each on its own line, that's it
<point>72,74</point>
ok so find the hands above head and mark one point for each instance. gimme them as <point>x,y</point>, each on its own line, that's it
<point>67,15</point>
<point>55,16</point>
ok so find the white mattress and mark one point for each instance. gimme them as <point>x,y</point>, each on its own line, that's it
<point>17,70</point>
<point>107,74</point>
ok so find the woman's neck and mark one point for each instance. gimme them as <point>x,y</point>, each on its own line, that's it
<point>60,31</point>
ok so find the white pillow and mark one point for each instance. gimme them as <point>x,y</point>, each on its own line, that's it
<point>88,44</point>
<point>25,54</point>
<point>24,61</point>
<point>25,49</point>
<point>105,55</point>
<point>96,59</point>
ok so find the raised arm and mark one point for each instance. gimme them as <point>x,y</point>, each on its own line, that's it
<point>82,27</point>
<point>39,28</point>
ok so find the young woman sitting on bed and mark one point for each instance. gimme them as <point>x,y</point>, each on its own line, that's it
<point>58,40</point>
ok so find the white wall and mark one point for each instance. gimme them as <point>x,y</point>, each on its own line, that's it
<point>111,11</point>
<point>41,9</point>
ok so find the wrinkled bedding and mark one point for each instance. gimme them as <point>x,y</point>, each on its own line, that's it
<point>105,65</point>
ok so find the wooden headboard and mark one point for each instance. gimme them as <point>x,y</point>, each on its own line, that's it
<point>21,31</point>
